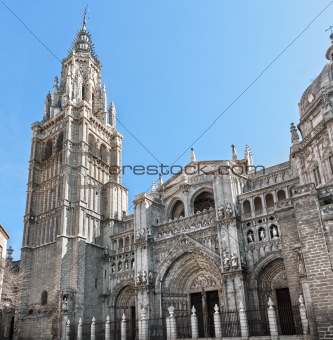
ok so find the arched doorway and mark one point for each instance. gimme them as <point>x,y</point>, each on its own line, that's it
<point>125,304</point>
<point>193,279</point>
<point>272,283</point>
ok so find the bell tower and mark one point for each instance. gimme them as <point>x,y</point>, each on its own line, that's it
<point>74,195</point>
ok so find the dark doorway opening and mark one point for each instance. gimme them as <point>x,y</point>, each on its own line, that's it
<point>285,312</point>
<point>204,304</point>
<point>132,330</point>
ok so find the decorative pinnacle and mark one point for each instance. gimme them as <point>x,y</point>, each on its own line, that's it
<point>84,25</point>
<point>193,158</point>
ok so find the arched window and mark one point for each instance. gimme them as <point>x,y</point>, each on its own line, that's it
<point>205,200</point>
<point>43,300</point>
<point>103,152</point>
<point>250,236</point>
<point>48,149</point>
<point>126,241</point>
<point>247,207</point>
<point>178,210</point>
<point>60,140</point>
<point>92,144</point>
<point>83,93</point>
<point>274,231</point>
<point>257,204</point>
<point>281,195</point>
<point>262,234</point>
<point>121,243</point>
<point>269,201</point>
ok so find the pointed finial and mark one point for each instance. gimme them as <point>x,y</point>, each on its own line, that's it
<point>80,321</point>
<point>270,303</point>
<point>234,153</point>
<point>153,187</point>
<point>112,114</point>
<point>216,309</point>
<point>160,180</point>
<point>193,158</point>
<point>84,24</point>
<point>124,317</point>
<point>68,323</point>
<point>241,306</point>
<point>294,134</point>
<point>248,155</point>
<point>193,310</point>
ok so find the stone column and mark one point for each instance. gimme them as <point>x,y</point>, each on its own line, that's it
<point>79,330</point>
<point>123,328</point>
<point>194,324</point>
<point>107,328</point>
<point>217,323</point>
<point>143,326</point>
<point>243,322</point>
<point>68,330</point>
<point>304,319</point>
<point>172,330</point>
<point>93,329</point>
<point>272,321</point>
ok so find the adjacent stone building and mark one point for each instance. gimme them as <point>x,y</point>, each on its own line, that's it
<point>218,232</point>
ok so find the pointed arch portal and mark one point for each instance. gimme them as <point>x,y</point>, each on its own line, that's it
<point>193,279</point>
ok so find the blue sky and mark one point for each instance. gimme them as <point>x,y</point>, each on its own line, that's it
<point>172,67</point>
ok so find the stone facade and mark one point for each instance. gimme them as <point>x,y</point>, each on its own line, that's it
<point>218,232</point>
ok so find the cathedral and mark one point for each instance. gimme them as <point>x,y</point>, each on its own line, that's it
<point>219,233</point>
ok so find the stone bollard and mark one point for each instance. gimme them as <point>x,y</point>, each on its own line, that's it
<point>172,331</point>
<point>243,321</point>
<point>68,330</point>
<point>143,325</point>
<point>304,319</point>
<point>107,328</point>
<point>272,320</point>
<point>93,329</point>
<point>217,323</point>
<point>79,330</point>
<point>123,334</point>
<point>194,324</point>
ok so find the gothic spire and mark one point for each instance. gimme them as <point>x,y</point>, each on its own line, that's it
<point>112,115</point>
<point>248,155</point>
<point>82,44</point>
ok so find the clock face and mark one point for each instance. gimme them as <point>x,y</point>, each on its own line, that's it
<point>310,98</point>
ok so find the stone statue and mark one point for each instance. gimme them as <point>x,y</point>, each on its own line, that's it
<point>120,266</point>
<point>113,268</point>
<point>126,265</point>
<point>262,235</point>
<point>150,277</point>
<point>65,304</point>
<point>226,262</point>
<point>250,237</point>
<point>144,277</point>
<point>294,134</point>
<point>274,232</point>
<point>220,211</point>
<point>228,210</point>
<point>234,261</point>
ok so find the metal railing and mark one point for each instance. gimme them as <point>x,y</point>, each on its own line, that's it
<point>258,321</point>
<point>230,324</point>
